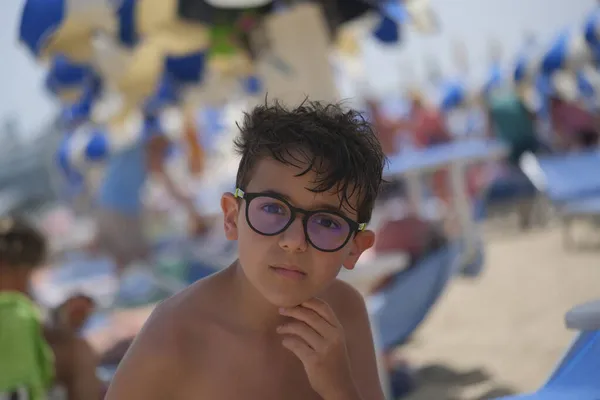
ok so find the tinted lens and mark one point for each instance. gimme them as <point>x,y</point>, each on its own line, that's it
<point>327,231</point>
<point>268,215</point>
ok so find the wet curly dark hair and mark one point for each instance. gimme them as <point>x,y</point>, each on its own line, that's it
<point>337,143</point>
<point>21,244</point>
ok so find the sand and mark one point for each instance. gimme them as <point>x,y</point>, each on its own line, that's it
<point>503,332</point>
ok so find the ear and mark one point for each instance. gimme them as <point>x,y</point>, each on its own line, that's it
<point>231,207</point>
<point>361,242</point>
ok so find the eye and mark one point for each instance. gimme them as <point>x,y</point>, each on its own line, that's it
<point>273,208</point>
<point>327,221</point>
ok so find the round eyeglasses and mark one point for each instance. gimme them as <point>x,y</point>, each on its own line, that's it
<point>269,215</point>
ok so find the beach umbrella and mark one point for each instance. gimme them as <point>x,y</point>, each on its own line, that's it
<point>592,33</point>
<point>527,63</point>
<point>568,51</point>
<point>88,145</point>
<point>454,94</point>
<point>51,27</point>
<point>68,80</point>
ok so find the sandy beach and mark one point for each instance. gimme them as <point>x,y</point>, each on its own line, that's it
<point>503,332</point>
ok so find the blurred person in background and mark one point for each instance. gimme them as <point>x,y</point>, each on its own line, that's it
<point>427,126</point>
<point>425,122</point>
<point>512,122</point>
<point>120,213</point>
<point>36,356</point>
<point>387,129</point>
<point>575,128</point>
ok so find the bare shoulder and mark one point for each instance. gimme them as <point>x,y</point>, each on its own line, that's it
<point>154,366</point>
<point>346,302</point>
<point>349,306</point>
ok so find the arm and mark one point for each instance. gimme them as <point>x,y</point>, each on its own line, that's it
<point>353,315</point>
<point>403,125</point>
<point>151,367</point>
<point>156,149</point>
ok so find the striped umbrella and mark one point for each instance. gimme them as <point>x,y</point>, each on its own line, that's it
<point>88,145</point>
<point>592,33</point>
<point>527,63</point>
<point>569,51</point>
<point>454,94</point>
<point>51,27</point>
<point>68,80</point>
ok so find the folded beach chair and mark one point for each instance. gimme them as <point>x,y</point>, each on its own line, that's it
<point>510,188</point>
<point>570,184</point>
<point>577,376</point>
<point>400,308</point>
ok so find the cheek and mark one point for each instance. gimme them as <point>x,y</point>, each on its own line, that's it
<point>252,247</point>
<point>326,266</point>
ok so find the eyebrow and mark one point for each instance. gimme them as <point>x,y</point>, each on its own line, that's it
<point>320,206</point>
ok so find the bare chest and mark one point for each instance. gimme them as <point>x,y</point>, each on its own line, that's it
<point>246,371</point>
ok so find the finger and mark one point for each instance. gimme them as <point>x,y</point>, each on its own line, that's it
<point>298,347</point>
<point>322,309</point>
<point>310,318</point>
<point>305,332</point>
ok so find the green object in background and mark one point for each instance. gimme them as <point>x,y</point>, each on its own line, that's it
<point>223,41</point>
<point>26,360</point>
<point>228,29</point>
<point>512,122</point>
<point>175,269</point>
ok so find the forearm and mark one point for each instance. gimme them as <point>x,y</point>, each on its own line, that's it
<point>175,191</point>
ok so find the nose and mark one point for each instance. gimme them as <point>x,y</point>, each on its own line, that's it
<point>293,239</point>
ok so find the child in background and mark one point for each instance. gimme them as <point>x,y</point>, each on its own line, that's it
<point>37,357</point>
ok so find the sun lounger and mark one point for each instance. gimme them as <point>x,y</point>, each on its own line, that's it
<point>577,374</point>
<point>569,183</point>
<point>399,308</point>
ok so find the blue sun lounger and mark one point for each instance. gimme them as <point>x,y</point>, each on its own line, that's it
<point>570,183</point>
<point>400,308</point>
<point>577,376</point>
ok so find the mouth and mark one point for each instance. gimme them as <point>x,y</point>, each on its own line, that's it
<point>288,271</point>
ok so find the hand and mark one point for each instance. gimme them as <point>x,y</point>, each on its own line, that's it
<point>316,337</point>
<point>73,313</point>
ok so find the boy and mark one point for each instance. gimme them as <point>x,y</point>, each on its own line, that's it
<point>276,324</point>
<point>33,357</point>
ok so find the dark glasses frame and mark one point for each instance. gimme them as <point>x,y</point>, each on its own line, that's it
<point>355,227</point>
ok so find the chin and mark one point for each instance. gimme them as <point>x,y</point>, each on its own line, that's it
<point>286,300</point>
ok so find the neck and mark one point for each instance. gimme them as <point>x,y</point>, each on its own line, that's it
<point>10,283</point>
<point>250,309</point>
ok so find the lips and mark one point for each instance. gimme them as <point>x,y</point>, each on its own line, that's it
<point>288,267</point>
<point>290,271</point>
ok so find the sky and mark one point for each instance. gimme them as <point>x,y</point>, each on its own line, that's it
<point>473,22</point>
<point>21,79</point>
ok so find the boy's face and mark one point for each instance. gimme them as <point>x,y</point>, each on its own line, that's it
<point>267,261</point>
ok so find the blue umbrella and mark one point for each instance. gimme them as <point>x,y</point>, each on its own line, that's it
<point>454,94</point>
<point>67,79</point>
<point>128,34</point>
<point>521,67</point>
<point>584,85</point>
<point>49,27</point>
<point>592,32</point>
<point>39,21</point>
<point>556,57</point>
<point>494,78</point>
